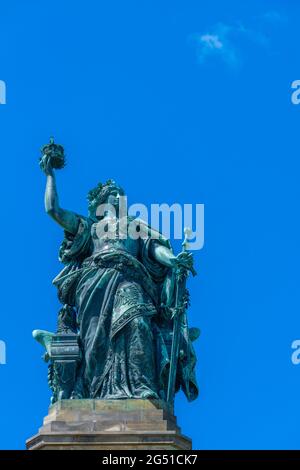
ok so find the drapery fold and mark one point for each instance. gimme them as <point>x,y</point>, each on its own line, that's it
<point>124,337</point>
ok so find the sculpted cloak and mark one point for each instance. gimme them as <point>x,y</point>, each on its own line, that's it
<point>120,293</point>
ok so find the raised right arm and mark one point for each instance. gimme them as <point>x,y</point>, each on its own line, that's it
<point>66,219</point>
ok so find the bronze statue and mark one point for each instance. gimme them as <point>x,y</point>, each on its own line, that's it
<point>122,330</point>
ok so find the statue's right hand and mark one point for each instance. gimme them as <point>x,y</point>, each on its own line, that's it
<point>45,165</point>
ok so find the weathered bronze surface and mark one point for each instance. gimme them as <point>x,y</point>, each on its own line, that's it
<point>122,330</point>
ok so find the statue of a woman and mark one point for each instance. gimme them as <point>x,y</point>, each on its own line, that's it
<point>122,290</point>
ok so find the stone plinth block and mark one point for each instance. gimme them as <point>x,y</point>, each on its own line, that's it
<point>109,425</point>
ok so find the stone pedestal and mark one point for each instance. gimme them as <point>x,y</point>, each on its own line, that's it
<point>130,424</point>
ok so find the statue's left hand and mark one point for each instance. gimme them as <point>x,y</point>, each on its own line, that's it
<point>185,259</point>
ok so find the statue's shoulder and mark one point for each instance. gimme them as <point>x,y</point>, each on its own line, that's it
<point>148,232</point>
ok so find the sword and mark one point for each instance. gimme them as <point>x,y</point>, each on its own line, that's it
<point>181,302</point>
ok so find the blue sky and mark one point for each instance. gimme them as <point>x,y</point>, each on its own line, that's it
<point>179,101</point>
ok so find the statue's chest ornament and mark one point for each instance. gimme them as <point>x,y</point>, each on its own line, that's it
<point>112,233</point>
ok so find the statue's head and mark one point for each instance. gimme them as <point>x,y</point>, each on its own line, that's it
<point>107,193</point>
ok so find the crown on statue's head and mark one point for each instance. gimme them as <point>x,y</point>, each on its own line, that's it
<point>100,193</point>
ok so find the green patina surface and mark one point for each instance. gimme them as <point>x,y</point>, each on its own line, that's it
<point>122,330</point>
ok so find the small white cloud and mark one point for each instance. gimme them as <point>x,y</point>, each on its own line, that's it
<point>225,41</point>
<point>215,44</point>
<point>212,41</point>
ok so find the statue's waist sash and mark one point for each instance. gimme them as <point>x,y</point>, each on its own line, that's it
<point>129,266</point>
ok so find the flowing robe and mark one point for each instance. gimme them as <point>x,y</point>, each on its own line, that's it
<point>117,293</point>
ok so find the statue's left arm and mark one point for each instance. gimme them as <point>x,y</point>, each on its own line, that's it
<point>163,255</point>
<point>65,218</point>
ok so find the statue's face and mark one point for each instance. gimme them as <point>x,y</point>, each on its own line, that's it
<point>112,201</point>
